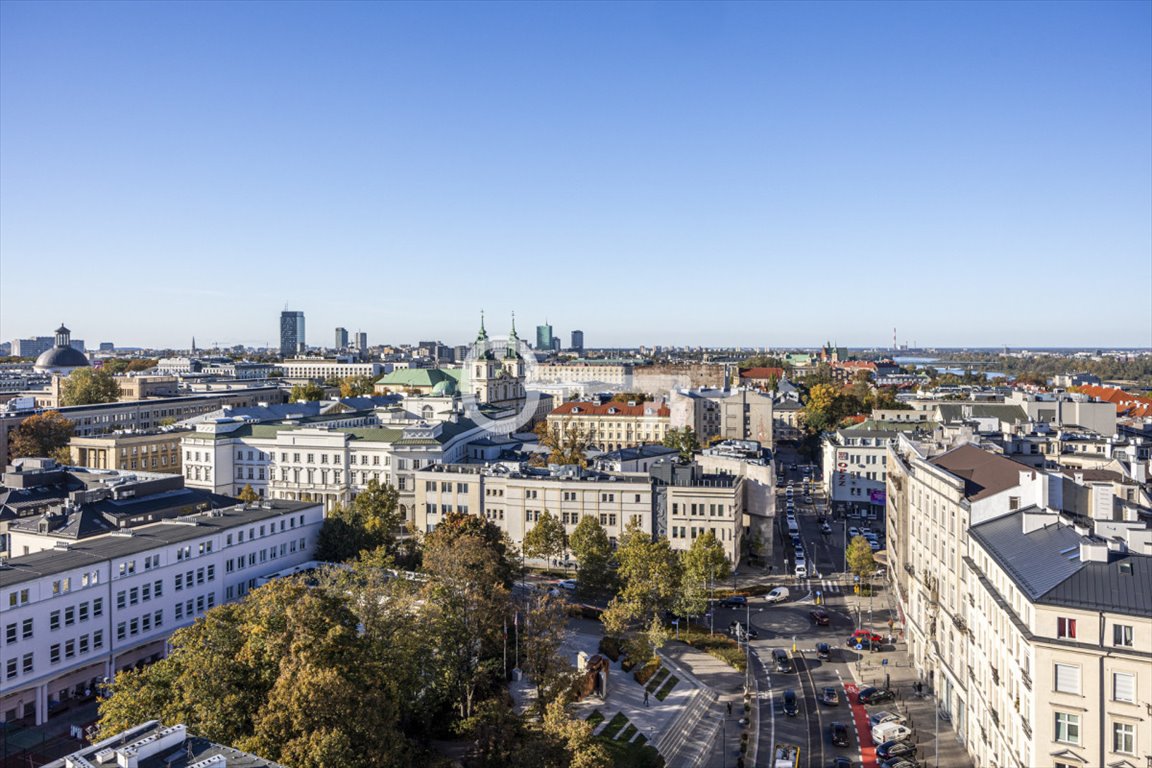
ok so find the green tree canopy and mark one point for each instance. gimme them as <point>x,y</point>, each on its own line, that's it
<point>457,525</point>
<point>306,393</point>
<point>593,552</point>
<point>85,386</point>
<point>684,440</point>
<point>41,434</point>
<point>860,559</point>
<point>546,539</point>
<point>701,565</point>
<point>649,573</point>
<point>566,448</point>
<point>357,386</point>
<point>248,494</point>
<point>370,521</point>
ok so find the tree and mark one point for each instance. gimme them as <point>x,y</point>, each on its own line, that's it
<point>458,526</point>
<point>85,386</point>
<point>465,610</point>
<point>684,440</point>
<point>649,573</point>
<point>306,393</point>
<point>248,495</point>
<point>545,627</point>
<point>631,397</point>
<point>703,564</point>
<point>593,552</point>
<point>567,447</point>
<point>357,386</point>
<point>860,559</point>
<point>370,521</point>
<point>546,539</point>
<point>41,434</point>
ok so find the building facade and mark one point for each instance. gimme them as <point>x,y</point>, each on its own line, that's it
<point>292,336</point>
<point>74,615</point>
<point>613,425</point>
<point>154,450</point>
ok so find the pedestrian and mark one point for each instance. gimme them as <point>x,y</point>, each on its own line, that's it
<point>645,697</point>
<point>729,709</point>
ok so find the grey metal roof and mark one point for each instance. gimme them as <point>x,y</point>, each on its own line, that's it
<point>100,549</point>
<point>1123,585</point>
<point>1036,561</point>
<point>952,412</point>
<point>192,750</point>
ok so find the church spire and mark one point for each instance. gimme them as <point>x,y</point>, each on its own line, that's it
<point>483,335</point>
<point>512,350</point>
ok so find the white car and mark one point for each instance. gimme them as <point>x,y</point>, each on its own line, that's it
<point>778,595</point>
<point>567,584</point>
<point>853,533</point>
<point>876,718</point>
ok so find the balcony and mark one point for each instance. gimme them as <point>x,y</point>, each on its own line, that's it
<point>1026,727</point>
<point>995,718</point>
<point>1026,679</point>
<point>995,675</point>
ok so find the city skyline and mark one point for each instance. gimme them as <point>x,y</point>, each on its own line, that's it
<point>762,175</point>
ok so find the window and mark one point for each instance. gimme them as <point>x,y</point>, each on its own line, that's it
<point>121,631</point>
<point>1122,635</point>
<point>1124,687</point>
<point>26,629</point>
<point>1124,738</point>
<point>133,597</point>
<point>54,620</point>
<point>10,633</point>
<point>1067,728</point>
<point>11,668</point>
<point>179,584</point>
<point>54,653</point>
<point>179,611</point>
<point>69,649</point>
<point>98,639</point>
<point>158,588</point>
<point>98,606</point>
<point>1067,678</point>
<point>83,611</point>
<point>27,665</point>
<point>83,644</point>
<point>1066,628</point>
<point>158,618</point>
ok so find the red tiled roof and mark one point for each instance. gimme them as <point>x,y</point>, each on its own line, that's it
<point>761,373</point>
<point>1125,402</point>
<point>858,365</point>
<point>577,408</point>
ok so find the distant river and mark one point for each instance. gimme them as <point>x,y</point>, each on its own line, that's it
<point>922,362</point>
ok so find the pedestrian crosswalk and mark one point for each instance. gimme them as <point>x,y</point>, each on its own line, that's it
<point>824,586</point>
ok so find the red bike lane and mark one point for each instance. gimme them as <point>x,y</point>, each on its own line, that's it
<point>863,727</point>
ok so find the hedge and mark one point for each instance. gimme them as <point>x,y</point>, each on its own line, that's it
<point>644,674</point>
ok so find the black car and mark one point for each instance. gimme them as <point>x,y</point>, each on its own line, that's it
<point>790,707</point>
<point>875,696</point>
<point>734,600</point>
<point>839,733</point>
<point>898,762</point>
<point>830,697</point>
<point>841,762</point>
<point>823,651</point>
<point>895,748</point>
<point>782,660</point>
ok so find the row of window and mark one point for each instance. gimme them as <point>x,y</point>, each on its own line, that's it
<point>191,607</point>
<point>698,510</point>
<point>1067,731</point>
<point>11,668</point>
<point>447,509</point>
<point>80,645</point>
<point>264,555</point>
<point>1067,680</point>
<point>431,485</point>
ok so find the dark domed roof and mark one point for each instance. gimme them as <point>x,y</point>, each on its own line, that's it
<point>62,357</point>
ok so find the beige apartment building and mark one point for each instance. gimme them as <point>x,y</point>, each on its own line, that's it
<point>613,425</point>
<point>514,496</point>
<point>153,451</point>
<point>1035,635</point>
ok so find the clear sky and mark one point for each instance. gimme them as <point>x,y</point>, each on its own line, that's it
<point>972,173</point>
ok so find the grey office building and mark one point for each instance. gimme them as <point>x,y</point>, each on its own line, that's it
<point>341,338</point>
<point>577,341</point>
<point>291,333</point>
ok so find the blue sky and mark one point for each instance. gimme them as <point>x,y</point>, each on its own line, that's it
<point>714,173</point>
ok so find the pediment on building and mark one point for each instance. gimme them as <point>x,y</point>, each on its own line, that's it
<point>1067,754</point>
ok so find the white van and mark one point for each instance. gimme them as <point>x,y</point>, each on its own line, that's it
<point>801,569</point>
<point>890,731</point>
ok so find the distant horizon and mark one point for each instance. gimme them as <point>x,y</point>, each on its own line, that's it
<point>703,173</point>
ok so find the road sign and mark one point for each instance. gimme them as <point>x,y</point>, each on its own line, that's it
<point>884,662</point>
<point>860,647</point>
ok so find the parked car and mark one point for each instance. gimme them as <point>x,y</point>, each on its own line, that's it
<point>875,696</point>
<point>864,633</point>
<point>820,616</point>
<point>807,499</point>
<point>898,762</point>
<point>829,696</point>
<point>825,528</point>
<point>567,584</point>
<point>853,532</point>
<point>876,718</point>
<point>839,733</point>
<point>734,601</point>
<point>890,749</point>
<point>777,595</point>
<point>790,706</point>
<point>823,651</point>
<point>890,732</point>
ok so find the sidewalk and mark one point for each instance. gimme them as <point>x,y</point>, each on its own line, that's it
<point>899,675</point>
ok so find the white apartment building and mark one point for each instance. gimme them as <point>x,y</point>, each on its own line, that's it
<point>74,613</point>
<point>329,460</point>
<point>855,466</point>
<point>1007,606</point>
<point>323,369</point>
<point>585,374</point>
